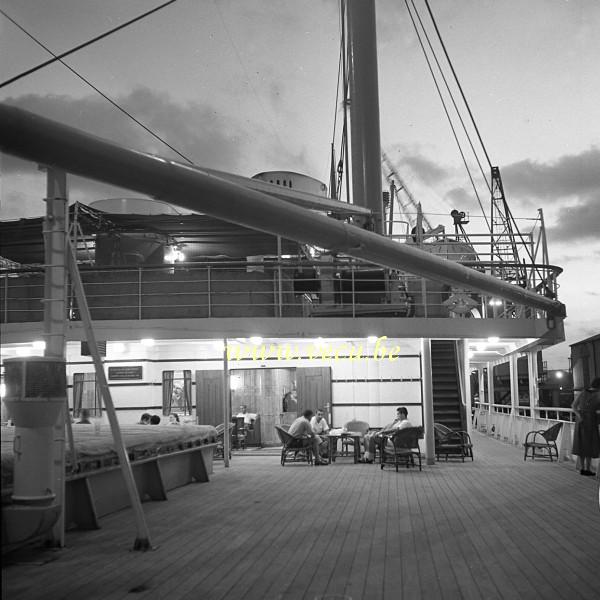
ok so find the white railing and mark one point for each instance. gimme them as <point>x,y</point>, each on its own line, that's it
<point>503,423</point>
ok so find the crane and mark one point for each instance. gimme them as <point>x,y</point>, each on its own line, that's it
<point>408,205</point>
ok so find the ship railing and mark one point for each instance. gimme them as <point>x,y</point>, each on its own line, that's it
<point>271,288</point>
<point>511,424</point>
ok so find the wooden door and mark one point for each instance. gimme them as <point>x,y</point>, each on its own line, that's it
<point>209,397</point>
<point>314,389</point>
<point>261,390</point>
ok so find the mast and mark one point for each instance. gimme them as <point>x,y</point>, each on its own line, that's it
<point>364,109</point>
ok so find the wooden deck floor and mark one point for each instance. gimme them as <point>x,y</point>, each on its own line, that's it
<point>494,528</point>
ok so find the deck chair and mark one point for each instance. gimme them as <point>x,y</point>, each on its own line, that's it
<point>220,449</point>
<point>544,441</point>
<point>298,448</point>
<point>348,443</point>
<point>401,447</point>
<point>452,442</point>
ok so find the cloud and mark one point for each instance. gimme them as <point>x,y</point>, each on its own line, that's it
<point>427,170</point>
<point>197,130</point>
<point>570,175</point>
<point>580,222</point>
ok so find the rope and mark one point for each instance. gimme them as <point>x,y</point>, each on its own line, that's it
<point>92,41</point>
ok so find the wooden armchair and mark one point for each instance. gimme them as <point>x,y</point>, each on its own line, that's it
<point>544,441</point>
<point>452,442</point>
<point>401,447</point>
<point>298,448</point>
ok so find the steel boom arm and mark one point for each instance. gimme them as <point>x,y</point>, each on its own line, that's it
<point>48,142</point>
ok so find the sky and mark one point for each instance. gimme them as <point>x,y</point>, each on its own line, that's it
<point>250,85</point>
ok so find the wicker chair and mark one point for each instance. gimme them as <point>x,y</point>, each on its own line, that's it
<point>452,442</point>
<point>347,442</point>
<point>544,441</point>
<point>220,449</point>
<point>298,448</point>
<point>401,447</point>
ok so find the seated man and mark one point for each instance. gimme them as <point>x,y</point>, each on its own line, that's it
<point>301,428</point>
<point>319,426</point>
<point>370,440</point>
<point>249,418</point>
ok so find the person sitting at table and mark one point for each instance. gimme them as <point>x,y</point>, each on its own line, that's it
<point>249,418</point>
<point>318,423</point>
<point>371,439</point>
<point>320,427</point>
<point>301,428</point>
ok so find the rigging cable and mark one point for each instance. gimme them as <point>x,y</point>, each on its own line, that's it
<point>458,82</point>
<point>509,216</point>
<point>437,62</point>
<point>126,113</point>
<point>93,40</point>
<point>446,111</point>
<point>333,188</point>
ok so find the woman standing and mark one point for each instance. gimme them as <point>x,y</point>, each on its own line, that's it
<point>586,439</point>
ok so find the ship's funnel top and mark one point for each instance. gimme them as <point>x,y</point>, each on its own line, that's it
<point>294,181</point>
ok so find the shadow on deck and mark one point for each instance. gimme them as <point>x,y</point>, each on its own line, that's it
<point>495,528</point>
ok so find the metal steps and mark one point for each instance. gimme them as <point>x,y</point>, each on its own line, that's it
<point>447,405</point>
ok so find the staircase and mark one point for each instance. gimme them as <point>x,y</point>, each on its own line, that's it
<point>447,406</point>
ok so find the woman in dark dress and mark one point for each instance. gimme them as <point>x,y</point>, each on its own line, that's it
<point>586,439</point>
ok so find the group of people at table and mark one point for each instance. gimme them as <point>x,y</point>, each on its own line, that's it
<point>315,428</point>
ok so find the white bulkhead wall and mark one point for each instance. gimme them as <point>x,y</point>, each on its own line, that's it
<point>365,387</point>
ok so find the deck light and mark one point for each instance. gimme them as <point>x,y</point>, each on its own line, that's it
<point>235,383</point>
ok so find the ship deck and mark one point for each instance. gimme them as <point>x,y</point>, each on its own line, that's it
<point>498,527</point>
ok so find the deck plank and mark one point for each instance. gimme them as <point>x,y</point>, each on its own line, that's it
<point>498,527</point>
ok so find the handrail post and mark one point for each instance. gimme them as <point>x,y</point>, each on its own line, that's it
<point>139,293</point>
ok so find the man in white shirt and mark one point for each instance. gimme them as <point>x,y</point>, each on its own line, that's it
<point>248,417</point>
<point>370,440</point>
<point>318,423</point>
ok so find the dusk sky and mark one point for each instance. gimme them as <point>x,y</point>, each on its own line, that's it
<point>250,85</point>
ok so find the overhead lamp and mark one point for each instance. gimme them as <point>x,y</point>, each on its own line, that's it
<point>372,339</point>
<point>174,254</point>
<point>256,340</point>
<point>559,374</point>
<point>495,302</point>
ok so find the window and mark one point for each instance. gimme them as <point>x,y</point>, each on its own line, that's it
<point>86,395</point>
